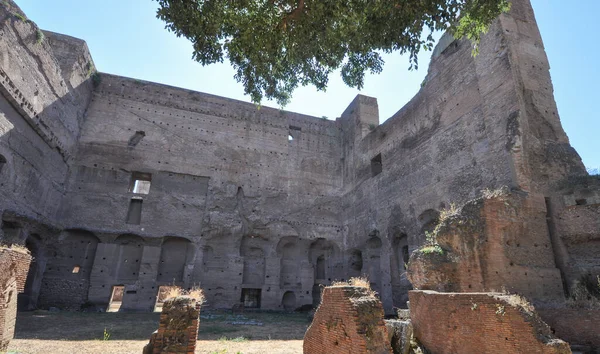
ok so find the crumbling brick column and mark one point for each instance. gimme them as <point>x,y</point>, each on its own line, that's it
<point>348,320</point>
<point>178,327</point>
<point>14,265</point>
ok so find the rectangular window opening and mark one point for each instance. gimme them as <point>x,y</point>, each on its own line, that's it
<point>116,298</point>
<point>134,214</point>
<point>140,183</point>
<point>376,166</point>
<point>251,298</point>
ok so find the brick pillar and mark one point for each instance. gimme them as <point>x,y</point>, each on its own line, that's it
<point>178,327</point>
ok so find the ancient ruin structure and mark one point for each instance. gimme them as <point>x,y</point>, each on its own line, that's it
<point>14,264</point>
<point>178,327</point>
<point>480,323</point>
<point>121,186</point>
<point>348,320</point>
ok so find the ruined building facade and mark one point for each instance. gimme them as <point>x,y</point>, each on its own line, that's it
<point>115,182</point>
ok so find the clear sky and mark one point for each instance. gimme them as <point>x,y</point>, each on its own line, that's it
<point>125,38</point>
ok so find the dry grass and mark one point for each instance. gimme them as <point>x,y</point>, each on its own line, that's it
<point>76,332</point>
<point>361,282</point>
<point>446,213</point>
<point>15,247</point>
<point>196,293</point>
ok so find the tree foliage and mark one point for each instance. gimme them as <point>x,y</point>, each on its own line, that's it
<point>276,45</point>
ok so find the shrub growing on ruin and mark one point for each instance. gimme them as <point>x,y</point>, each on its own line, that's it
<point>39,36</point>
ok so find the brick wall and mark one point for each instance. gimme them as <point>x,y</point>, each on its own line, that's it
<point>178,327</point>
<point>577,326</point>
<point>348,320</point>
<point>14,265</point>
<point>480,323</point>
<point>491,244</point>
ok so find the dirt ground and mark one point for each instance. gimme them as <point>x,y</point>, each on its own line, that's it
<point>75,332</point>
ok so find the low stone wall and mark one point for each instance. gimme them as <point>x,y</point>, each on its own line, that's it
<point>14,265</point>
<point>348,320</point>
<point>577,326</point>
<point>178,327</point>
<point>480,323</point>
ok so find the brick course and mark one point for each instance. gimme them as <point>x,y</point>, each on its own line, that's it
<point>480,323</point>
<point>348,320</point>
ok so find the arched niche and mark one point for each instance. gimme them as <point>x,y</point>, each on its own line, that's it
<point>291,255</point>
<point>288,301</point>
<point>401,254</point>
<point>428,220</point>
<point>373,248</point>
<point>79,246</point>
<point>131,250</point>
<point>252,250</point>
<point>323,255</point>
<point>175,253</point>
<point>28,299</point>
<point>354,262</point>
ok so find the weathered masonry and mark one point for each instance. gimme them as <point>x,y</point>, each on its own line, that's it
<point>119,186</point>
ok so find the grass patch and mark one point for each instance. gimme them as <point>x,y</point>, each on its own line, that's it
<point>39,36</point>
<point>21,17</point>
<point>235,340</point>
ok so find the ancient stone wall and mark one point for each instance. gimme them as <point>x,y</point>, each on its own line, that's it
<point>348,320</point>
<point>577,326</point>
<point>479,323</point>
<point>116,182</point>
<point>14,264</point>
<point>41,112</point>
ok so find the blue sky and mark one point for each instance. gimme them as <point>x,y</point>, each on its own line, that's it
<point>125,38</point>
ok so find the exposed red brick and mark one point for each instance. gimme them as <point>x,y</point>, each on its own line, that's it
<point>178,327</point>
<point>492,244</point>
<point>348,320</point>
<point>480,323</point>
<point>14,265</point>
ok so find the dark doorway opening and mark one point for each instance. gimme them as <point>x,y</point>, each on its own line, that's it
<point>251,298</point>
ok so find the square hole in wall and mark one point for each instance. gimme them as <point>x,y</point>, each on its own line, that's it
<point>376,166</point>
<point>76,269</point>
<point>251,298</point>
<point>134,213</point>
<point>294,133</point>
<point>140,183</point>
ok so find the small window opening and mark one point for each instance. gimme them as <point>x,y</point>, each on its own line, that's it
<point>76,269</point>
<point>140,183</point>
<point>376,166</point>
<point>294,133</point>
<point>134,214</point>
